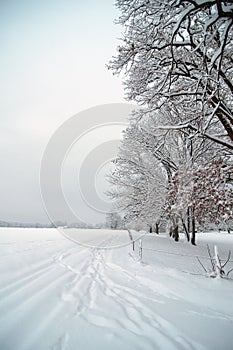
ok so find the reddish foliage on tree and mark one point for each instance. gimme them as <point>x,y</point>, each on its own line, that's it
<point>208,190</point>
<point>213,192</point>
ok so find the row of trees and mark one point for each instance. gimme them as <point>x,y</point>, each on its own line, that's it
<point>175,162</point>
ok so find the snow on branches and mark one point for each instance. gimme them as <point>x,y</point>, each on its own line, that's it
<point>177,55</point>
<point>138,183</point>
<point>213,192</point>
<point>208,190</point>
<point>175,159</point>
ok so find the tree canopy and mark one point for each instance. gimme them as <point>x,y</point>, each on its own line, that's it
<point>177,55</point>
<point>177,61</point>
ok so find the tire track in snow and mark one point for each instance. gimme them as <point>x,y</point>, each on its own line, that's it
<point>30,292</point>
<point>133,320</point>
<point>137,318</point>
<point>89,286</point>
<point>136,314</point>
<point>168,335</point>
<point>25,280</point>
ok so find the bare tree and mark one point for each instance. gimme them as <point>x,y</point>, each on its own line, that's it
<point>206,192</point>
<point>139,183</point>
<point>177,57</point>
<point>114,221</point>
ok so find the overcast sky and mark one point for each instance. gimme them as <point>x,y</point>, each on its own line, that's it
<point>53,57</point>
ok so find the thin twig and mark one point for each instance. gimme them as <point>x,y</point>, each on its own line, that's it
<point>211,259</point>
<point>228,258</point>
<point>229,271</point>
<point>202,264</point>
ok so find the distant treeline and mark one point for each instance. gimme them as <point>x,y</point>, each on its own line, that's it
<point>19,224</point>
<point>51,225</point>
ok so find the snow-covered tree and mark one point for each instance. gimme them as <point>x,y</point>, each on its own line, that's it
<point>139,182</point>
<point>114,221</point>
<point>178,206</point>
<point>177,59</point>
<point>179,154</point>
<point>153,176</point>
<point>206,192</point>
<point>177,56</point>
<point>213,192</point>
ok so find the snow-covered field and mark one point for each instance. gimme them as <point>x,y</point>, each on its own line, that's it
<point>56,295</point>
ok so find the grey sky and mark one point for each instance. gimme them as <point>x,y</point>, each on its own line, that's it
<point>53,56</point>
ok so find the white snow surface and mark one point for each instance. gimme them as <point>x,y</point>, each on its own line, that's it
<point>57,295</point>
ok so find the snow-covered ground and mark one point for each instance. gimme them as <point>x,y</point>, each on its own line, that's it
<point>57,295</point>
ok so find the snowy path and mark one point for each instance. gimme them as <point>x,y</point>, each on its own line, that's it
<point>57,295</point>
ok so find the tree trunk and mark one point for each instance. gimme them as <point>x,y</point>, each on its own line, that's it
<point>175,233</point>
<point>157,228</point>
<point>193,238</point>
<point>185,230</point>
<point>170,231</point>
<point>150,229</point>
<point>188,220</point>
